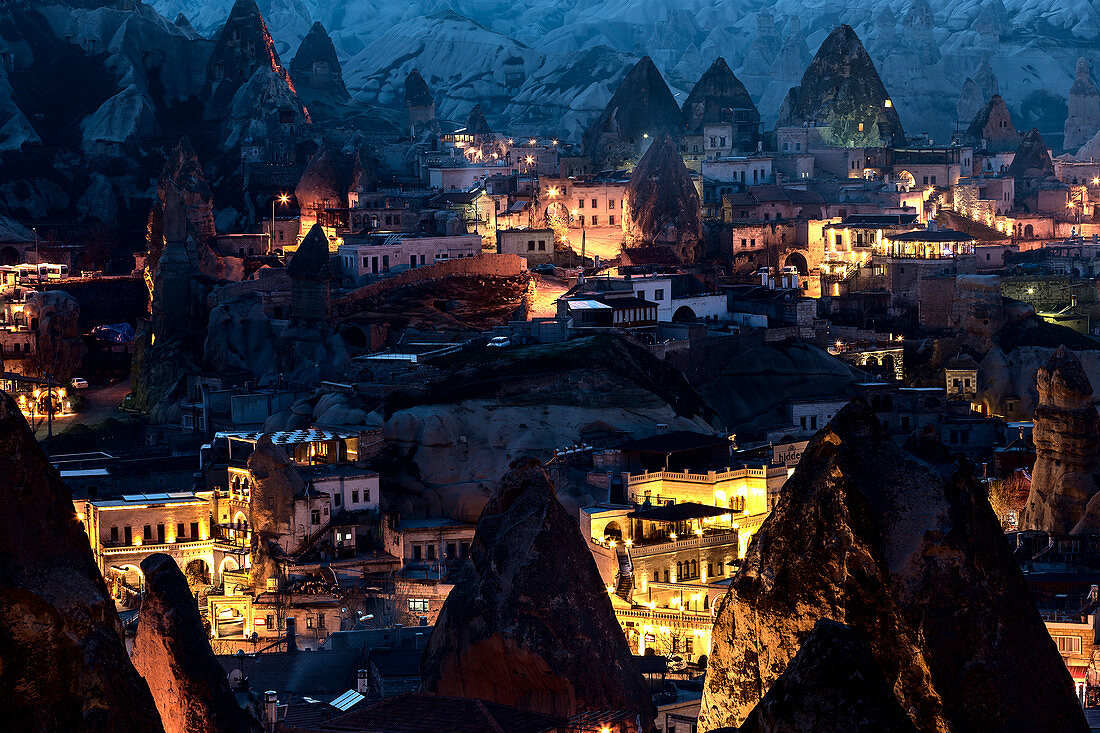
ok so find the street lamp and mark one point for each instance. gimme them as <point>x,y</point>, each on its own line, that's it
<point>282,199</point>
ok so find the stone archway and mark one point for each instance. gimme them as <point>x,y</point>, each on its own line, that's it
<point>684,314</point>
<point>557,215</point>
<point>798,261</point>
<point>906,179</point>
<point>197,572</point>
<point>613,530</point>
<point>1029,231</point>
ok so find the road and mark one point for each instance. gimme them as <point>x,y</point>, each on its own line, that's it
<point>100,403</point>
<point>549,289</point>
<point>603,241</point>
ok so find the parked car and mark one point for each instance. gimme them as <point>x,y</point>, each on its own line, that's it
<point>544,269</point>
<point>79,383</point>
<point>499,341</point>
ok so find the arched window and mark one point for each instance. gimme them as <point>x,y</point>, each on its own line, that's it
<point>706,602</point>
<point>679,571</point>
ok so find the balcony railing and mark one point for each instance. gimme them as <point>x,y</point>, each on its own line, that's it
<point>701,619</point>
<point>714,539</point>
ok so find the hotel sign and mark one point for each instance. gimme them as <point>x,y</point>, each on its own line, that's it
<point>788,454</point>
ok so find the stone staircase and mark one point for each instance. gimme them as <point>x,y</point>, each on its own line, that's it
<point>624,579</point>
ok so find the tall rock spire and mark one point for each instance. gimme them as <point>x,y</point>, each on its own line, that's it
<point>1067,450</point>
<point>515,631</point>
<point>842,90</point>
<point>315,68</point>
<point>641,109</point>
<point>243,46</point>
<point>1083,118</point>
<point>910,556</point>
<point>720,97</point>
<point>64,664</point>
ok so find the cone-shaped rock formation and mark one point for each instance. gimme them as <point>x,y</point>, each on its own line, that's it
<point>911,557</point>
<point>841,89</point>
<point>64,665</point>
<point>720,97</point>
<point>172,653</point>
<point>661,203</point>
<point>243,46</point>
<point>1067,450</point>
<point>529,622</point>
<point>1032,158</point>
<point>641,109</point>
<point>316,68</point>
<point>992,128</point>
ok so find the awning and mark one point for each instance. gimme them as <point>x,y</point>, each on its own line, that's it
<point>678,512</point>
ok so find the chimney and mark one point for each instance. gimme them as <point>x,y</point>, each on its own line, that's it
<point>291,636</point>
<point>361,682</point>
<point>271,709</point>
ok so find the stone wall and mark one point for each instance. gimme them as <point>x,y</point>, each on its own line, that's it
<point>1049,293</point>
<point>488,265</point>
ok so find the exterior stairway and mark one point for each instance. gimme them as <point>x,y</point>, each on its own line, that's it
<point>624,580</point>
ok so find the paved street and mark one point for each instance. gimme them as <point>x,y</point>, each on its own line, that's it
<point>100,403</point>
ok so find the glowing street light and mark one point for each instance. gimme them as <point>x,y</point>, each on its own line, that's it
<point>552,192</point>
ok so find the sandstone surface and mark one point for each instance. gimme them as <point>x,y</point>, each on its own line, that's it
<point>1067,450</point>
<point>529,622</point>
<point>910,556</point>
<point>172,652</point>
<point>64,663</point>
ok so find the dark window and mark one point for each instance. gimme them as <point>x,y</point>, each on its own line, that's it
<point>194,530</point>
<point>417,552</point>
<point>181,530</point>
<point>147,535</point>
<point>114,534</point>
<point>160,534</point>
<point>464,549</point>
<point>431,552</point>
<point>450,550</point>
<point>129,535</point>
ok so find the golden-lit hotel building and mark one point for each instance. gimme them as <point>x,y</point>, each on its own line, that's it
<point>670,551</point>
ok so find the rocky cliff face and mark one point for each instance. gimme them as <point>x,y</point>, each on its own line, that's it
<point>1083,118</point>
<point>516,631</point>
<point>661,203</point>
<point>842,89</point>
<point>910,556</point>
<point>184,170</point>
<point>1067,450</point>
<point>243,47</point>
<point>55,317</point>
<point>172,653</point>
<point>833,685</point>
<point>65,667</point>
